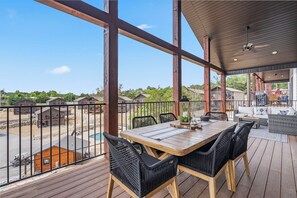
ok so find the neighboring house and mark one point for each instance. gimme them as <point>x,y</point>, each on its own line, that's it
<point>141,97</point>
<point>56,101</point>
<point>195,94</point>
<point>68,153</point>
<point>49,117</point>
<point>84,102</point>
<point>123,107</point>
<point>231,94</point>
<point>24,110</point>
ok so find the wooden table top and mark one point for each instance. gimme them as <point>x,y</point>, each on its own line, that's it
<point>176,141</point>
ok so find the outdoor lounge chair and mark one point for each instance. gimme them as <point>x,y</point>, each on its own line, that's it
<point>210,161</point>
<point>217,116</point>
<point>139,174</point>
<point>166,117</point>
<point>238,149</point>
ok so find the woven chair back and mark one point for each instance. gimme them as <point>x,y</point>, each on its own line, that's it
<point>167,117</point>
<point>143,121</point>
<point>240,139</point>
<point>217,116</point>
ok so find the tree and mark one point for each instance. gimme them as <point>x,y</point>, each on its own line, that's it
<point>69,97</point>
<point>42,97</point>
<point>237,82</point>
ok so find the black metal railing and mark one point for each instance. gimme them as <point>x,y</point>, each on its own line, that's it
<point>127,111</point>
<point>39,139</point>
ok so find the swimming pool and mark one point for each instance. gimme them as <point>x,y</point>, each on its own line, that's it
<point>97,136</point>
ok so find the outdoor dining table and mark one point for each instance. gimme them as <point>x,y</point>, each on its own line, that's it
<point>175,141</point>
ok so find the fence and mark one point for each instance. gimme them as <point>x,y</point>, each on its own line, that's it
<point>39,139</point>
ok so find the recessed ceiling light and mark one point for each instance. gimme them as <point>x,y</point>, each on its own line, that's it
<point>235,59</point>
<point>274,52</point>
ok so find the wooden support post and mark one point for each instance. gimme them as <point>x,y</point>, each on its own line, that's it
<point>206,47</point>
<point>248,88</point>
<point>223,92</point>
<point>268,88</point>
<point>111,70</point>
<point>254,87</point>
<point>177,84</point>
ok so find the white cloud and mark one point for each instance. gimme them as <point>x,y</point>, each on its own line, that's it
<point>61,70</point>
<point>144,26</point>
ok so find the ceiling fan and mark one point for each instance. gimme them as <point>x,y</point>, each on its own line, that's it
<point>249,47</point>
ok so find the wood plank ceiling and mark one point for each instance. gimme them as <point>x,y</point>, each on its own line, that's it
<point>273,27</point>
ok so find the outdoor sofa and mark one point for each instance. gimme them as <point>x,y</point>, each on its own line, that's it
<point>278,119</point>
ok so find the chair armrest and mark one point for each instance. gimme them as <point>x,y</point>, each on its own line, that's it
<point>138,147</point>
<point>164,163</point>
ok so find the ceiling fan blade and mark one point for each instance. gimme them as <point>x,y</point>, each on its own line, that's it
<point>261,46</point>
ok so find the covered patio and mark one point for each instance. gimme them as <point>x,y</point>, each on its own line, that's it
<point>253,38</point>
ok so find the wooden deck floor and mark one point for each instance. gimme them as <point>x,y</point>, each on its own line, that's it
<point>273,174</point>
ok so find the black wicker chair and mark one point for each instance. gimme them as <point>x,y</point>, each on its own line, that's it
<point>208,163</point>
<point>217,116</point>
<point>167,117</point>
<point>142,121</point>
<point>238,149</point>
<point>138,174</point>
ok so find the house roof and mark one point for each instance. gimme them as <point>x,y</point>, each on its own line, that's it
<point>88,98</point>
<point>54,98</point>
<point>48,108</point>
<point>228,89</point>
<point>125,98</point>
<point>24,100</point>
<point>71,144</point>
<point>143,94</point>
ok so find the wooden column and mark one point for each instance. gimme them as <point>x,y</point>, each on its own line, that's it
<point>268,88</point>
<point>111,70</point>
<point>223,92</point>
<point>177,84</point>
<point>248,88</point>
<point>254,87</point>
<point>206,47</point>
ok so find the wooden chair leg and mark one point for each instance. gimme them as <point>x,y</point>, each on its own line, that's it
<point>246,164</point>
<point>212,187</point>
<point>228,176</point>
<point>232,174</point>
<point>175,188</point>
<point>110,186</point>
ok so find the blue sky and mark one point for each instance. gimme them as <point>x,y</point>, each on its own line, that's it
<point>44,49</point>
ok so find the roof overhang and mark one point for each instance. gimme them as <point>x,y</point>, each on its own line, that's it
<point>272,28</point>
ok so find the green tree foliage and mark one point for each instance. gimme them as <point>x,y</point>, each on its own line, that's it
<point>237,82</point>
<point>159,94</point>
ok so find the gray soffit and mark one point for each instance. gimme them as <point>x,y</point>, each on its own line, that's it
<point>272,24</point>
<point>263,68</point>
